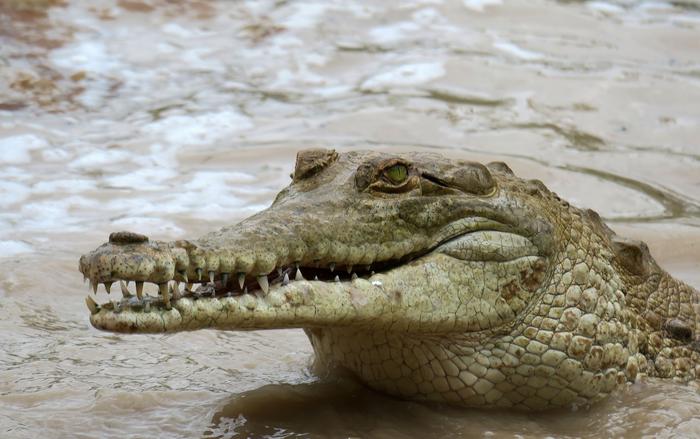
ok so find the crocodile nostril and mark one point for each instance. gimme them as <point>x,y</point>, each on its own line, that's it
<point>127,238</point>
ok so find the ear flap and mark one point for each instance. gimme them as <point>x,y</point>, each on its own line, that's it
<point>500,167</point>
<point>634,256</point>
<point>311,161</point>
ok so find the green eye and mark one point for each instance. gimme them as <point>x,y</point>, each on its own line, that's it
<point>397,174</point>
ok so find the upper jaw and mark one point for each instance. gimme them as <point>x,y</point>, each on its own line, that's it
<point>123,260</point>
<point>132,257</point>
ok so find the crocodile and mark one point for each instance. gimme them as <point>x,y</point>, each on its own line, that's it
<point>426,278</point>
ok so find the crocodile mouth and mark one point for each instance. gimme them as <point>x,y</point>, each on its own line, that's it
<point>219,288</point>
<point>466,245</point>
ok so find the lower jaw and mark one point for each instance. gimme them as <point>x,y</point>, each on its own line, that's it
<point>295,305</point>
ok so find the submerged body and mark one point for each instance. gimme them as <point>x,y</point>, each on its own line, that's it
<point>427,278</point>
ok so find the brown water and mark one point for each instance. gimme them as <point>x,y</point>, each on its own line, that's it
<point>172,118</point>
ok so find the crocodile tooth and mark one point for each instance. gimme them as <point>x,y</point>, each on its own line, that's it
<point>183,275</point>
<point>147,307</point>
<point>199,273</point>
<point>224,279</point>
<point>125,289</point>
<point>211,276</point>
<point>279,271</point>
<point>285,281</point>
<point>139,289</point>
<point>163,290</point>
<point>349,268</point>
<point>368,267</point>
<point>315,277</point>
<point>189,286</point>
<point>93,284</point>
<point>262,280</point>
<point>332,267</point>
<point>245,290</point>
<point>84,279</point>
<point>108,287</point>
<point>175,291</point>
<point>92,305</point>
<point>298,275</point>
<point>354,276</point>
<point>241,280</point>
<point>337,278</point>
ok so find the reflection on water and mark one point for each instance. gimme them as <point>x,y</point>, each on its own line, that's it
<point>346,409</point>
<point>173,118</point>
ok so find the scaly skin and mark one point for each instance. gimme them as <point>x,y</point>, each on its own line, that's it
<point>457,282</point>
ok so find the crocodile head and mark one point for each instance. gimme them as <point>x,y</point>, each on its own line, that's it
<point>428,278</point>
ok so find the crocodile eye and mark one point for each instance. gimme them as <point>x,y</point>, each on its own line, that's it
<point>390,176</point>
<point>396,174</point>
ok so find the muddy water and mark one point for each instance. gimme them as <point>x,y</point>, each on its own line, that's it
<point>173,118</point>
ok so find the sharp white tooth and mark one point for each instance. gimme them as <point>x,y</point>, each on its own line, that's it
<point>147,307</point>
<point>189,286</point>
<point>279,272</point>
<point>211,276</point>
<point>163,290</point>
<point>368,267</point>
<point>315,277</point>
<point>298,275</point>
<point>349,268</point>
<point>92,305</point>
<point>262,280</point>
<point>332,267</point>
<point>108,287</point>
<point>354,276</point>
<point>199,274</point>
<point>224,279</point>
<point>285,281</point>
<point>245,290</point>
<point>125,289</point>
<point>183,275</point>
<point>139,289</point>
<point>241,280</point>
<point>337,278</point>
<point>373,273</point>
<point>93,284</point>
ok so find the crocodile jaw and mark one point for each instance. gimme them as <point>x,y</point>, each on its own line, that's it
<point>453,288</point>
<point>297,304</point>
